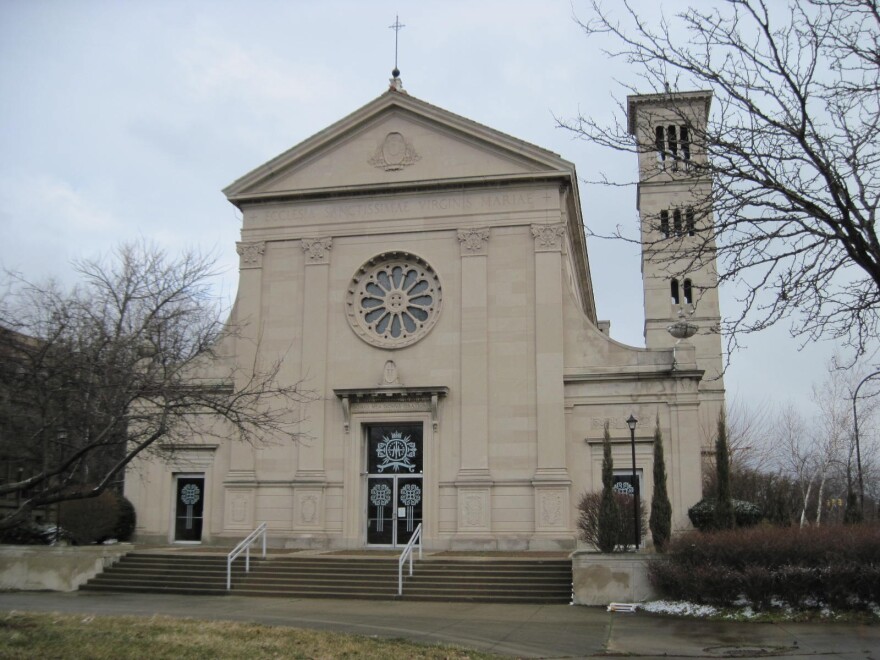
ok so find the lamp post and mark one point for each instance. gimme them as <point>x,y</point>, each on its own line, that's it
<point>631,423</point>
<point>858,450</point>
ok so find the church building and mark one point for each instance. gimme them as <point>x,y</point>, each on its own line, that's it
<point>427,277</point>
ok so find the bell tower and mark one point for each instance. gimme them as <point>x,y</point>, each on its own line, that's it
<point>674,201</point>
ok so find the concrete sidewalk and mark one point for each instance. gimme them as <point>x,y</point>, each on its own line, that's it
<point>548,631</point>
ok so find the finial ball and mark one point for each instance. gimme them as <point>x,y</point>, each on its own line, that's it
<point>395,72</point>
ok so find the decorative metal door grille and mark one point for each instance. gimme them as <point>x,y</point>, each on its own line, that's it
<point>394,483</point>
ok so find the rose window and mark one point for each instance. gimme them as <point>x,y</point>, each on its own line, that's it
<point>394,300</point>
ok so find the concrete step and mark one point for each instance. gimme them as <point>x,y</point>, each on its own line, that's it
<point>470,580</point>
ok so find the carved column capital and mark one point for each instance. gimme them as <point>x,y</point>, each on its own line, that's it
<point>317,250</point>
<point>473,242</point>
<point>548,238</point>
<point>251,254</point>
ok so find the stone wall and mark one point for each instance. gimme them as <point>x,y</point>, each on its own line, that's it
<point>49,568</point>
<point>599,579</point>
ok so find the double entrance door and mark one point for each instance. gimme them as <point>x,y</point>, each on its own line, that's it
<point>394,483</point>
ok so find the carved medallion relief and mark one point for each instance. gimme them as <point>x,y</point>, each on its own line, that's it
<point>395,153</point>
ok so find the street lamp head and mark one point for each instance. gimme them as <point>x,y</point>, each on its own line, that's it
<point>631,422</point>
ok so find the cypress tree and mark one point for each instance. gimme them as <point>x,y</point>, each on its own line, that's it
<point>608,518</point>
<point>724,514</point>
<point>661,510</point>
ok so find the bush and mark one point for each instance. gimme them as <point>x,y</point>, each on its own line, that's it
<point>127,520</point>
<point>704,518</point>
<point>24,534</point>
<point>622,527</point>
<point>91,520</point>
<point>29,533</point>
<point>829,565</point>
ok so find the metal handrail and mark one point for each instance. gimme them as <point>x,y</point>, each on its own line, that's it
<point>407,553</point>
<point>245,547</point>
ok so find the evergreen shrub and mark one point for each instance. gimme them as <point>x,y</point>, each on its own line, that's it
<point>703,515</point>
<point>127,520</point>
<point>836,565</point>
<point>93,519</point>
<point>607,521</point>
<point>661,508</point>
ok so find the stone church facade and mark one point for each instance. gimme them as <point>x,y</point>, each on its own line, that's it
<point>428,278</point>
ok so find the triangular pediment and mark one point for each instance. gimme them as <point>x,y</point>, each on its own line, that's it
<point>396,139</point>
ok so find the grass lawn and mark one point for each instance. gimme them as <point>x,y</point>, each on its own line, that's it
<point>30,635</point>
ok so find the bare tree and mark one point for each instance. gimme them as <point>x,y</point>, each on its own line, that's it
<point>832,432</point>
<point>818,450</point>
<point>796,456</point>
<point>792,146</point>
<point>136,358</point>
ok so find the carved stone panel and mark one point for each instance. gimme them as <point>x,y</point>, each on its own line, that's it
<point>307,508</point>
<point>473,510</point>
<point>551,509</point>
<point>239,509</point>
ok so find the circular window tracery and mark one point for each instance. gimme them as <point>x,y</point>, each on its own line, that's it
<point>394,300</point>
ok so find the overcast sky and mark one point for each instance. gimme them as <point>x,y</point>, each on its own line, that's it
<point>123,120</point>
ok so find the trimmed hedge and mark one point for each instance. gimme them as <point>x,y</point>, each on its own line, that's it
<point>704,518</point>
<point>835,565</point>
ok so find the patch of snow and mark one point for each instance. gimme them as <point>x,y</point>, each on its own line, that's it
<point>678,608</point>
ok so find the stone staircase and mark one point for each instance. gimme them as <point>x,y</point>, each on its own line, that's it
<point>148,572</point>
<point>475,579</point>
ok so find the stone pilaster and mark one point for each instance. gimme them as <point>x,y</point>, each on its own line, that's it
<point>316,300</point>
<point>239,507</point>
<point>551,480</point>
<point>473,479</point>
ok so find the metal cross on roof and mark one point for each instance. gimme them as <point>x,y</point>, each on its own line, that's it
<point>397,26</point>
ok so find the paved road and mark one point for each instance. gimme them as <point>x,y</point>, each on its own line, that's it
<point>548,631</point>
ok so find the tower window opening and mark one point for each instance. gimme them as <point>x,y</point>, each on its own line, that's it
<point>676,222</point>
<point>689,221</point>
<point>673,289</point>
<point>664,223</point>
<point>684,141</point>
<point>671,142</point>
<point>661,153</point>
<point>688,292</point>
